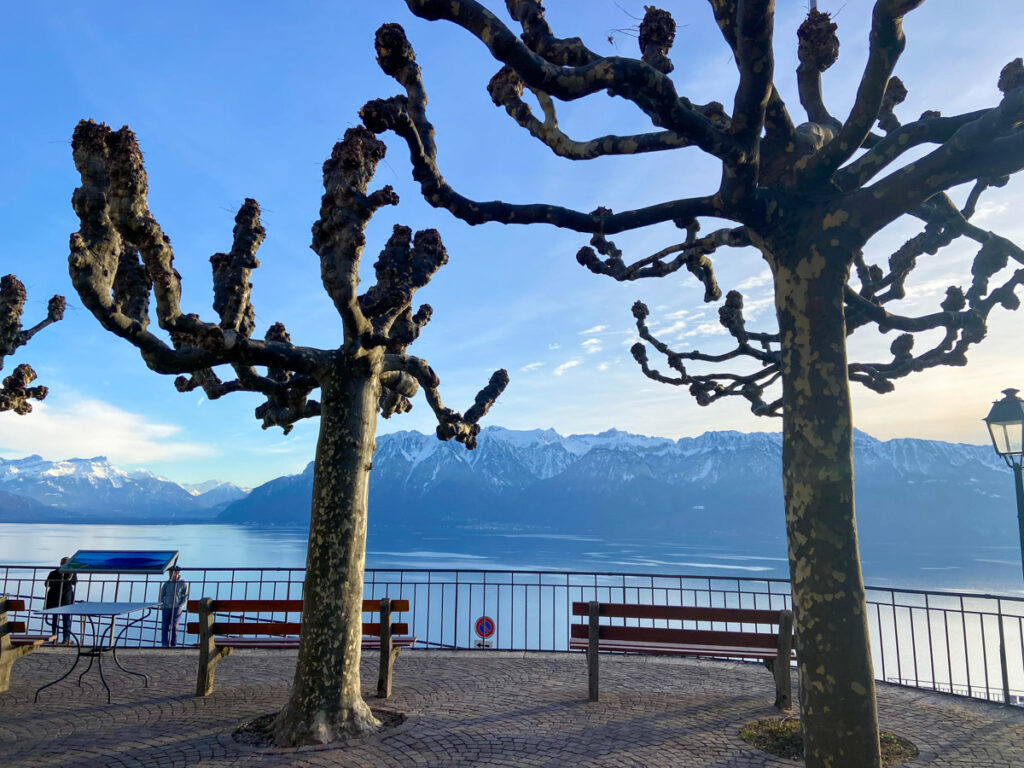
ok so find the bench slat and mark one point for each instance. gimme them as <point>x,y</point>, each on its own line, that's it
<point>37,640</point>
<point>281,628</point>
<point>10,604</point>
<point>256,628</point>
<point>284,606</point>
<point>681,613</point>
<point>262,642</point>
<point>373,643</point>
<point>369,643</point>
<point>397,628</point>
<point>673,649</point>
<point>664,636</point>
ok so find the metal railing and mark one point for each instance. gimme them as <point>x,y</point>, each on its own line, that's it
<point>965,644</point>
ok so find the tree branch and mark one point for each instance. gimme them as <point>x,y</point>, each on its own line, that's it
<point>929,129</point>
<point>15,392</point>
<point>537,35</point>
<point>756,65</point>
<point>886,44</point>
<point>692,254</point>
<point>506,91</point>
<point>634,80</point>
<point>988,147</point>
<point>345,210</point>
<point>817,50</point>
<point>450,424</point>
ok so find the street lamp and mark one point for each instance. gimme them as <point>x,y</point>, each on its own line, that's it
<point>1006,425</point>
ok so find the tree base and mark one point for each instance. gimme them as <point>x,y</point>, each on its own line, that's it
<point>300,729</point>
<point>258,733</point>
<point>783,738</point>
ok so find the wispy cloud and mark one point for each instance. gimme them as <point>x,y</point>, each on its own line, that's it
<point>566,366</point>
<point>88,428</point>
<point>707,329</point>
<point>602,367</point>
<point>670,330</point>
<point>755,281</point>
<point>595,329</point>
<point>590,346</point>
<point>531,366</point>
<point>554,346</point>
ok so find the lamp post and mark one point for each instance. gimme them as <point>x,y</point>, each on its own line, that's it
<point>1005,424</point>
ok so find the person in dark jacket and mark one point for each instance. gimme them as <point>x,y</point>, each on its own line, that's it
<point>60,590</point>
<point>173,596</point>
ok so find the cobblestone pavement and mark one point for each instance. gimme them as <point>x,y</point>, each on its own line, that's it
<point>462,709</point>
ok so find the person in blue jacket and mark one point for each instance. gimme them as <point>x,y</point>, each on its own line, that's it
<point>173,596</point>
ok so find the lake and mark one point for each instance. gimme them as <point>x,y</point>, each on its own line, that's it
<point>982,569</point>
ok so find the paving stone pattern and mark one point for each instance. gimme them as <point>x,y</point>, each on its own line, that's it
<point>462,709</point>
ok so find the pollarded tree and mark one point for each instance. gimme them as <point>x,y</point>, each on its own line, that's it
<point>16,392</point>
<point>120,256</point>
<point>809,197</point>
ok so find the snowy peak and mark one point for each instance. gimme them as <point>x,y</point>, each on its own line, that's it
<point>616,483</point>
<point>95,487</point>
<point>507,458</point>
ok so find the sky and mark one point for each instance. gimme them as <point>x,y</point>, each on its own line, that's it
<point>232,100</point>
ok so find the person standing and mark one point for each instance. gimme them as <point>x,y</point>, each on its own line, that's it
<point>60,590</point>
<point>173,596</point>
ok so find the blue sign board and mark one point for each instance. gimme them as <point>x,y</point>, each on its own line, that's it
<point>120,561</point>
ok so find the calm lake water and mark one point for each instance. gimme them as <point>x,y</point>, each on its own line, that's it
<point>989,569</point>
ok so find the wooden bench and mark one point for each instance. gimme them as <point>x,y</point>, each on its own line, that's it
<point>723,642</point>
<point>14,642</point>
<point>218,637</point>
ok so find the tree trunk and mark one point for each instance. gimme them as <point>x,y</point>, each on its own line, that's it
<point>326,699</point>
<point>837,688</point>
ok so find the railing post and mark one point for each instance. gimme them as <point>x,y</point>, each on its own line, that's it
<point>594,628</point>
<point>1002,654</point>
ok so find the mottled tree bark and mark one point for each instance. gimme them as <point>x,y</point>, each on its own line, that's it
<point>120,257</point>
<point>809,196</point>
<point>837,690</point>
<point>326,699</point>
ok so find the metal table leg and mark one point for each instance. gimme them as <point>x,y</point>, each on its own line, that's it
<point>117,639</point>
<point>78,656</point>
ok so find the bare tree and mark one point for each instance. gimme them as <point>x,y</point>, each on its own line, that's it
<point>15,392</point>
<point>120,256</point>
<point>809,197</point>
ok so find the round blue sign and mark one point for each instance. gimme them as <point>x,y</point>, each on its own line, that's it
<point>485,626</point>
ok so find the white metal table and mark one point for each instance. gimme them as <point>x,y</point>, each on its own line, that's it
<point>94,612</point>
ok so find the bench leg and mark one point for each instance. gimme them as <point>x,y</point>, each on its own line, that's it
<point>6,662</point>
<point>9,655</point>
<point>592,639</point>
<point>781,673</point>
<point>780,666</point>
<point>207,662</point>
<point>387,669</point>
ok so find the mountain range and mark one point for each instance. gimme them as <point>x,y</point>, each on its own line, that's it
<point>34,489</point>
<point>718,484</point>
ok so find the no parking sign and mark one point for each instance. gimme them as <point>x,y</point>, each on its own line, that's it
<point>485,627</point>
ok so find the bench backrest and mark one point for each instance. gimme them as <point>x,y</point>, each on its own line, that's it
<point>10,627</point>
<point>744,617</point>
<point>248,624</point>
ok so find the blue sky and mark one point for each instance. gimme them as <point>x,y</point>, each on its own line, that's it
<point>233,100</point>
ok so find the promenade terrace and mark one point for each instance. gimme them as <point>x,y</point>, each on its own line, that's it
<point>462,708</point>
<point>521,707</point>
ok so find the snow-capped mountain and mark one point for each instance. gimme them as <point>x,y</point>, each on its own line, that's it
<point>90,489</point>
<point>214,493</point>
<point>719,483</point>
